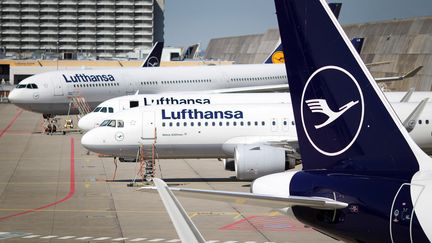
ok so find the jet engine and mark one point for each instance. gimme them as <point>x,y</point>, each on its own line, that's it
<point>253,161</point>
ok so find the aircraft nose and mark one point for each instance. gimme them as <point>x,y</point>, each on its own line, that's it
<point>13,96</point>
<point>86,123</point>
<point>90,141</point>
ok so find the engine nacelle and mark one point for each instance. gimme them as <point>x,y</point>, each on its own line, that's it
<point>253,161</point>
<point>228,164</point>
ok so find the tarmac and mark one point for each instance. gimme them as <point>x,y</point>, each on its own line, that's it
<point>53,190</point>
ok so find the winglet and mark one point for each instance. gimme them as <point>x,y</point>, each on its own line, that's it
<point>409,74</point>
<point>184,226</point>
<point>407,96</point>
<point>154,57</point>
<point>411,120</point>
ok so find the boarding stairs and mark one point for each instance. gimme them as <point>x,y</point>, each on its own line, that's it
<point>80,103</point>
<point>148,159</point>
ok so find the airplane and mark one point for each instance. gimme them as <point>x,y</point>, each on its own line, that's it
<point>51,93</point>
<point>106,108</point>
<point>363,178</point>
<point>261,138</point>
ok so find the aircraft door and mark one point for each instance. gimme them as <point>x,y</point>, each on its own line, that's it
<point>402,213</point>
<point>58,88</point>
<point>124,105</point>
<point>148,131</point>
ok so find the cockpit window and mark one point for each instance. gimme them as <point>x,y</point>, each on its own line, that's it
<point>112,123</point>
<point>110,110</point>
<point>21,86</point>
<point>104,110</point>
<point>29,86</point>
<point>104,123</point>
<point>120,123</point>
<point>34,86</point>
<point>97,109</point>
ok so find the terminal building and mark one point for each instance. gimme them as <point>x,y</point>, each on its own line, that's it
<point>79,29</point>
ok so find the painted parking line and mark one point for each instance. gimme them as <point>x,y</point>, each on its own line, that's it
<point>2,132</point>
<point>21,235</point>
<point>71,187</point>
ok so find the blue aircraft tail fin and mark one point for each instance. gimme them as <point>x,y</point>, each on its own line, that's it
<point>343,120</point>
<point>277,56</point>
<point>154,57</point>
<point>358,44</point>
<point>335,8</point>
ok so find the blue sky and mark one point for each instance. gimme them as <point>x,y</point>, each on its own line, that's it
<point>191,21</point>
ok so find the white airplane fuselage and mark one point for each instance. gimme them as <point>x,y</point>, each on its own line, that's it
<point>51,92</point>
<point>199,131</point>
<point>106,108</point>
<point>178,133</point>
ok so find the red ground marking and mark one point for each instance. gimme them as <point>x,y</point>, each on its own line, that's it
<point>266,223</point>
<point>71,187</point>
<point>11,123</point>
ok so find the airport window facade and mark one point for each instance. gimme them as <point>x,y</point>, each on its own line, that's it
<point>72,29</point>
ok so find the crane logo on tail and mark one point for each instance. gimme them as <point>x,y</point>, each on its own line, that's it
<point>332,117</point>
<point>321,106</point>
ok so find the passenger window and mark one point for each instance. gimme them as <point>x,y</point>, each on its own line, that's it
<point>104,123</point>
<point>256,123</point>
<point>263,123</point>
<point>227,124</point>
<point>199,124</point>
<point>104,110</point>
<point>110,110</point>
<point>427,121</point>
<point>185,124</point>
<point>274,123</point>
<point>163,124</point>
<point>205,123</point>
<point>213,123</point>
<point>120,123</point>
<point>234,123</point>
<point>248,123</point>
<point>112,123</point>
<point>241,123</point>
<point>420,122</point>
<point>220,124</point>
<point>178,124</point>
<point>192,124</point>
<point>170,124</point>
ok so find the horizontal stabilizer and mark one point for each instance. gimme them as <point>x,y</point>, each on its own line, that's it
<point>257,199</point>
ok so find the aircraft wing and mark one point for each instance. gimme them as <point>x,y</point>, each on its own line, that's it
<point>409,74</point>
<point>186,229</point>
<point>262,88</point>
<point>251,198</point>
